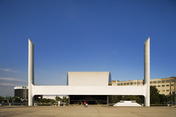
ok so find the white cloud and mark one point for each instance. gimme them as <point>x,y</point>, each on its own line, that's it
<point>11,82</point>
<point>11,79</point>
<point>7,70</point>
<point>7,84</point>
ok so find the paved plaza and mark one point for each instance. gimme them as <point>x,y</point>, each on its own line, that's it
<point>91,111</point>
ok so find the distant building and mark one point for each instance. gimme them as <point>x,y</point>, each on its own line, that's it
<point>21,91</point>
<point>164,85</point>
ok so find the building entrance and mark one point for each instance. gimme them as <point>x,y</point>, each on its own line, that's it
<point>90,99</point>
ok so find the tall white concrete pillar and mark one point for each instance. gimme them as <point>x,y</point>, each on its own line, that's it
<point>30,72</point>
<point>147,71</point>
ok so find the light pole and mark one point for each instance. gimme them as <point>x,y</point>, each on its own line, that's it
<point>174,90</point>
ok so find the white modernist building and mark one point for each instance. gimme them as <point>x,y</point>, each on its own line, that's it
<point>88,83</point>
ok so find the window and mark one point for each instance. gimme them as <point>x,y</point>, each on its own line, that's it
<point>127,83</point>
<point>167,85</point>
<point>134,82</point>
<point>159,81</point>
<point>154,82</point>
<point>163,81</point>
<point>158,85</point>
<point>131,83</point>
<point>124,83</point>
<point>172,84</point>
<point>167,80</point>
<point>163,85</point>
<point>121,83</point>
<point>150,82</point>
<point>167,90</point>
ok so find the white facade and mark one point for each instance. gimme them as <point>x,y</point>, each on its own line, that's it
<point>89,90</point>
<point>88,78</point>
<point>88,83</point>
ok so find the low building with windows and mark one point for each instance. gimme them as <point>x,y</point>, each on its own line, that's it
<point>21,91</point>
<point>165,86</point>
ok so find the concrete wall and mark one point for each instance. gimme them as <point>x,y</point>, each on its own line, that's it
<point>88,78</point>
<point>89,90</point>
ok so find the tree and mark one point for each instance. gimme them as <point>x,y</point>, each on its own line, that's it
<point>65,99</point>
<point>163,99</point>
<point>58,98</point>
<point>115,99</point>
<point>17,99</point>
<point>171,98</point>
<point>1,99</point>
<point>156,98</point>
<point>154,95</point>
<point>138,99</point>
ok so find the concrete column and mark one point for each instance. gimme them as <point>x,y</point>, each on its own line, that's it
<point>30,72</point>
<point>147,71</point>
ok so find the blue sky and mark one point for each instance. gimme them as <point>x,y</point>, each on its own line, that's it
<point>85,35</point>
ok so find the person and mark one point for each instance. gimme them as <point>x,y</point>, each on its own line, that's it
<point>84,103</point>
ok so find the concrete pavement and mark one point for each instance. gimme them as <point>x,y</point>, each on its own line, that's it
<point>91,111</point>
